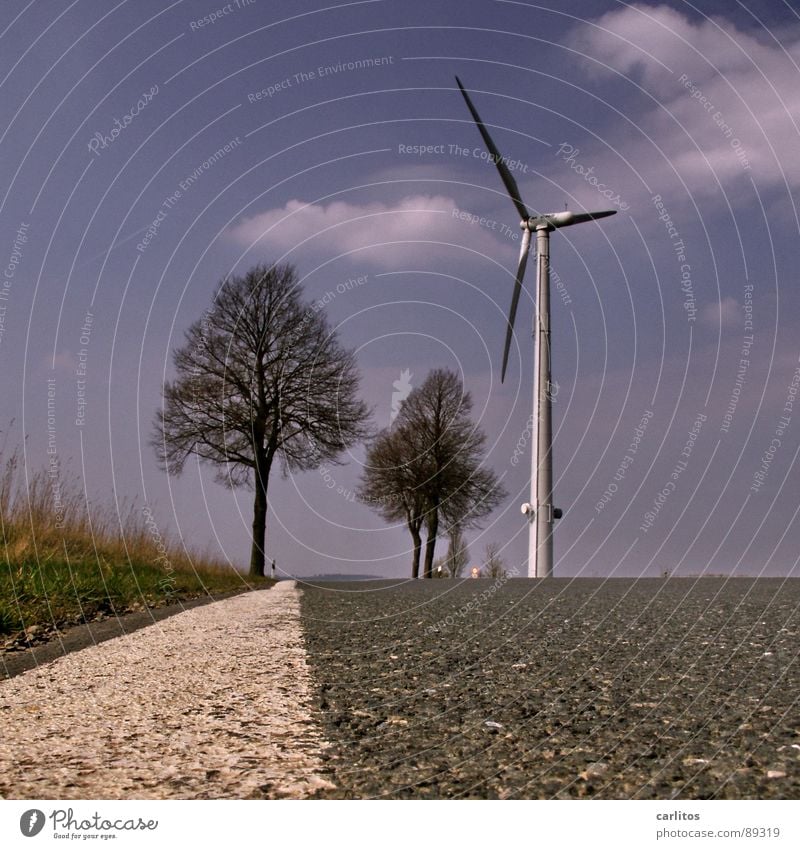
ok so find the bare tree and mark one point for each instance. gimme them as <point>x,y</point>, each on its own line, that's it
<point>390,485</point>
<point>456,487</point>
<point>260,376</point>
<point>457,557</point>
<point>494,566</point>
<point>436,471</point>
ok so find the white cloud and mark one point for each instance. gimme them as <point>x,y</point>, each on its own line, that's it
<point>63,361</point>
<point>725,313</point>
<point>725,101</point>
<point>384,234</point>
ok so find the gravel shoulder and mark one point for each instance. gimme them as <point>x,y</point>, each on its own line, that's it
<point>616,689</point>
<point>213,702</point>
<point>55,644</point>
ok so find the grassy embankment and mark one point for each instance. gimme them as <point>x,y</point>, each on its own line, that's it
<point>65,561</point>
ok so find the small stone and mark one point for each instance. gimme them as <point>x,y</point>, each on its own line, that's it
<point>594,770</point>
<point>490,723</point>
<point>776,773</point>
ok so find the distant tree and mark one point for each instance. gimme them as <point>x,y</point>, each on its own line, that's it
<point>427,465</point>
<point>493,566</point>
<point>455,486</point>
<point>457,557</point>
<point>260,376</point>
<point>390,484</point>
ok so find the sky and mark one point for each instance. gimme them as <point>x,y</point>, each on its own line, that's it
<point>151,149</point>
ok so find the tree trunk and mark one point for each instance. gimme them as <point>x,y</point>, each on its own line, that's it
<point>417,537</point>
<point>430,543</point>
<point>257,555</point>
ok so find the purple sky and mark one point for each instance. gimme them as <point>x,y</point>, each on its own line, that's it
<point>149,149</point>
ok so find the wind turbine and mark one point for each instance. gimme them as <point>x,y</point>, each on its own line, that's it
<point>540,512</point>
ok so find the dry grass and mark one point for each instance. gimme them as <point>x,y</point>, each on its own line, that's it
<point>64,560</point>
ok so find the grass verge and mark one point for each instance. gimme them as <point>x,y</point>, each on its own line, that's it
<point>66,561</point>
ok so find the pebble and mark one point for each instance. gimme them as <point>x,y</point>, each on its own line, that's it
<point>594,770</point>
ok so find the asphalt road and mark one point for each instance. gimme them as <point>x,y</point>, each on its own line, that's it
<point>650,689</point>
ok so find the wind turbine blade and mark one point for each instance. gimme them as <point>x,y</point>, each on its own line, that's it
<point>581,217</point>
<point>555,220</point>
<point>512,313</point>
<point>505,175</point>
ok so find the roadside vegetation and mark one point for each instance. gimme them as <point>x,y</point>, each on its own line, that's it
<point>66,561</point>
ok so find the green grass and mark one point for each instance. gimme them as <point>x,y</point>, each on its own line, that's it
<point>59,593</point>
<point>67,565</point>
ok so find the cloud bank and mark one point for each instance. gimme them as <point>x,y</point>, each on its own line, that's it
<point>386,235</point>
<point>723,103</point>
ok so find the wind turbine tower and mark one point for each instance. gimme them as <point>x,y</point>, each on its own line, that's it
<point>540,512</point>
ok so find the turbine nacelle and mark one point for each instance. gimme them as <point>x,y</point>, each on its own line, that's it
<point>556,220</point>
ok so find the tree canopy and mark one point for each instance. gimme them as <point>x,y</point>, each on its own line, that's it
<point>259,376</point>
<point>428,467</point>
